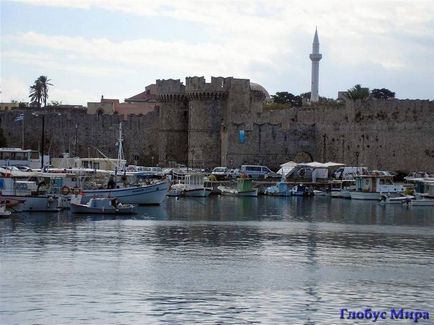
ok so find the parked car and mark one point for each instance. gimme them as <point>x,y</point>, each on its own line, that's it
<point>220,173</point>
<point>258,172</point>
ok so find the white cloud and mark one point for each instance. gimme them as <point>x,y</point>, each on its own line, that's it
<point>247,39</point>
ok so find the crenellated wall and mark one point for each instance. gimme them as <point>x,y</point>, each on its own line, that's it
<point>199,124</point>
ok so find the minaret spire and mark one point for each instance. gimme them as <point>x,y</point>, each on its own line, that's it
<point>315,57</point>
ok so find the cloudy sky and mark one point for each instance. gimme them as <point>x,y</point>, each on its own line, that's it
<point>117,47</point>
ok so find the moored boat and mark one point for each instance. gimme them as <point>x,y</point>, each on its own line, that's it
<point>151,194</point>
<point>371,187</point>
<point>191,186</point>
<point>244,188</point>
<point>102,206</point>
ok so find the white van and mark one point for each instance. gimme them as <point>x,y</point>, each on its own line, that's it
<point>349,172</point>
<point>256,171</point>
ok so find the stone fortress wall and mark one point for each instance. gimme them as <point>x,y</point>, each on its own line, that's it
<point>199,124</point>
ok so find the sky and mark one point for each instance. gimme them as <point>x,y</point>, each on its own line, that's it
<point>115,48</point>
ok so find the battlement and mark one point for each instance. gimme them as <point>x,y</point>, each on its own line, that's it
<point>170,86</point>
<point>199,85</point>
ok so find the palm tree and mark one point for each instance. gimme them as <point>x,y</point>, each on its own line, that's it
<point>358,92</point>
<point>45,82</point>
<point>36,93</point>
<point>39,90</point>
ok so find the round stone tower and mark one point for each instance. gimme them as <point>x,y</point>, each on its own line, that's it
<point>173,119</point>
<point>207,106</point>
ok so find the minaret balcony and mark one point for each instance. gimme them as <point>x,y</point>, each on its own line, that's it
<point>315,57</point>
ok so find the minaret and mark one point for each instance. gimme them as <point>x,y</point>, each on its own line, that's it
<point>315,57</point>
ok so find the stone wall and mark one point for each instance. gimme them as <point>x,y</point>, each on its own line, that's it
<point>76,132</point>
<point>202,127</point>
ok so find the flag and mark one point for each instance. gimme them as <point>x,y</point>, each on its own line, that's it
<point>19,117</point>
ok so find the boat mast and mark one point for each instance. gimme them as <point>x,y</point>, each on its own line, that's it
<point>120,164</point>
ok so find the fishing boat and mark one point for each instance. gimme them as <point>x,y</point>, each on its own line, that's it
<point>22,191</point>
<point>371,187</point>
<point>191,186</point>
<point>147,194</point>
<point>244,188</point>
<point>102,206</point>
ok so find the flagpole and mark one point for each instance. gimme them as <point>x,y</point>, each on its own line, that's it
<point>22,135</point>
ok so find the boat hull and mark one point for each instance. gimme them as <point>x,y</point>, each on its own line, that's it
<point>152,194</point>
<point>82,208</point>
<point>365,196</point>
<point>422,203</point>
<point>204,192</point>
<point>234,192</point>
<point>41,203</point>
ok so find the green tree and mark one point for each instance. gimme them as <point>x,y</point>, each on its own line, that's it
<point>358,92</point>
<point>382,93</point>
<point>284,97</point>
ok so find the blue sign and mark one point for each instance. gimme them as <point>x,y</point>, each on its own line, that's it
<point>242,136</point>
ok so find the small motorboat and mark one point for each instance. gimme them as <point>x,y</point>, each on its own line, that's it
<point>385,199</point>
<point>103,205</point>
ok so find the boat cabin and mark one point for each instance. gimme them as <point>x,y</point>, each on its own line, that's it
<point>376,184</point>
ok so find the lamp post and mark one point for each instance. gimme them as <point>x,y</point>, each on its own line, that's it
<point>42,146</point>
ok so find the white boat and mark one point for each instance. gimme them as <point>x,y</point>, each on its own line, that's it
<point>423,202</point>
<point>22,195</point>
<point>342,188</point>
<point>320,193</point>
<point>102,206</point>
<point>395,200</point>
<point>152,194</point>
<point>192,186</point>
<point>371,187</point>
<point>244,188</point>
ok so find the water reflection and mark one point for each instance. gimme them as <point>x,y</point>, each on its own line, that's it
<point>221,260</point>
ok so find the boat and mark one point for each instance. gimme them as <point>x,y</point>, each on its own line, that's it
<point>146,194</point>
<point>279,189</point>
<point>424,193</point>
<point>422,202</point>
<point>320,193</point>
<point>342,188</point>
<point>102,206</point>
<point>395,200</point>
<point>301,190</point>
<point>244,188</point>
<point>191,186</point>
<point>373,186</point>
<point>26,192</point>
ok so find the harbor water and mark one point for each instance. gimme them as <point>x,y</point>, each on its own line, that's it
<point>218,260</point>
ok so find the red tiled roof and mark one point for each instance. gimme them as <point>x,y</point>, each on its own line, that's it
<point>144,96</point>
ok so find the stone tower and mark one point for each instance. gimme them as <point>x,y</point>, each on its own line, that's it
<point>207,106</point>
<point>173,120</point>
<point>315,58</point>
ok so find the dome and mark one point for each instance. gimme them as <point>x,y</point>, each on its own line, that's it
<point>258,88</point>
